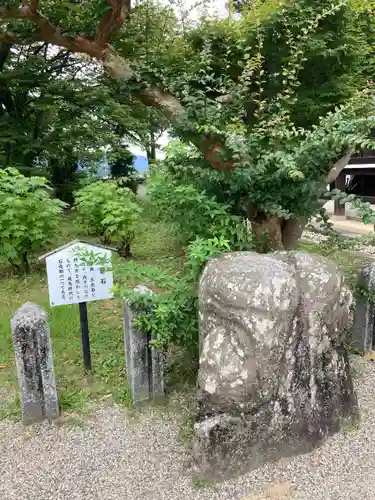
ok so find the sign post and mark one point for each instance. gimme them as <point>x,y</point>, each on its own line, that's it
<point>85,336</point>
<point>76,275</point>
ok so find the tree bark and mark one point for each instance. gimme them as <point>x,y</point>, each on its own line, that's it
<point>152,149</point>
<point>266,229</point>
<point>292,230</point>
<point>125,251</point>
<point>25,265</point>
<point>338,167</point>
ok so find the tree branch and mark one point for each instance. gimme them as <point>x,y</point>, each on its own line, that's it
<point>112,21</point>
<point>34,5</point>
<point>338,167</point>
<point>12,38</point>
<point>48,32</point>
<point>12,13</point>
<point>117,66</point>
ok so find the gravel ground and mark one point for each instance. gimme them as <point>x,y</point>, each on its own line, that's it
<point>317,237</point>
<point>118,457</point>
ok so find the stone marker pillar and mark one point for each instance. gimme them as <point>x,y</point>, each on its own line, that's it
<point>364,319</point>
<point>144,364</point>
<point>33,353</point>
<point>137,360</point>
<point>157,369</point>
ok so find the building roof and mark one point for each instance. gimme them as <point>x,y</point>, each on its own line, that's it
<point>360,165</point>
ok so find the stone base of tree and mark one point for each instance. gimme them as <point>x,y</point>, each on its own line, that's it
<point>274,377</point>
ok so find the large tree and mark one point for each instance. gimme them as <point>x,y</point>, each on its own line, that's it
<point>30,80</point>
<point>52,106</point>
<point>254,111</point>
<point>138,124</point>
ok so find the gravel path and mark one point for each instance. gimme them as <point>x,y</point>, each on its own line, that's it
<point>317,237</point>
<point>115,457</point>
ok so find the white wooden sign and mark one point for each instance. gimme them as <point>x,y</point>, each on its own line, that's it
<point>71,281</point>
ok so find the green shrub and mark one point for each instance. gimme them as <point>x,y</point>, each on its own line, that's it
<point>29,216</point>
<point>110,212</point>
<point>195,213</point>
<point>174,318</point>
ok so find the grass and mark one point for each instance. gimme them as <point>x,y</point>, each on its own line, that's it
<point>154,244</point>
<point>106,339</point>
<point>199,484</point>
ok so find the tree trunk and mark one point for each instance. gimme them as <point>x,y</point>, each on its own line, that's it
<point>124,251</point>
<point>25,266</point>
<point>8,150</point>
<point>292,230</point>
<point>272,233</point>
<point>151,150</point>
<point>266,230</point>
<point>151,154</point>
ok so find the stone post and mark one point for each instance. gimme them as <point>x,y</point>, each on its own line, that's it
<point>364,319</point>
<point>157,369</point>
<point>144,364</point>
<point>137,360</point>
<point>33,353</point>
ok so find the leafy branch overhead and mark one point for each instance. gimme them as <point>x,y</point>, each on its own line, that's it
<point>274,100</point>
<point>53,115</point>
<point>220,147</point>
<point>114,13</point>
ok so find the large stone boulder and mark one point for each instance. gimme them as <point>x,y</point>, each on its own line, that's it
<point>274,376</point>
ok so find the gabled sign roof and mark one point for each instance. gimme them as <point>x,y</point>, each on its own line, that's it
<point>75,242</point>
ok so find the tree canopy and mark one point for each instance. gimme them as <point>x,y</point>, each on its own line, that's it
<point>274,99</point>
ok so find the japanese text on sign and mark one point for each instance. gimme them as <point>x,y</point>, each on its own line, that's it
<point>71,281</point>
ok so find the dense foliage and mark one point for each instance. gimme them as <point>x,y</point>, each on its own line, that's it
<point>122,166</point>
<point>271,98</point>
<point>265,102</point>
<point>284,88</point>
<point>29,216</point>
<point>51,119</point>
<point>170,315</point>
<point>110,211</point>
<point>181,199</point>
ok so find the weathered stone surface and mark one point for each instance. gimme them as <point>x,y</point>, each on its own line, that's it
<point>364,319</point>
<point>34,361</point>
<point>157,365</point>
<point>137,359</point>
<point>274,376</point>
<point>144,364</point>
